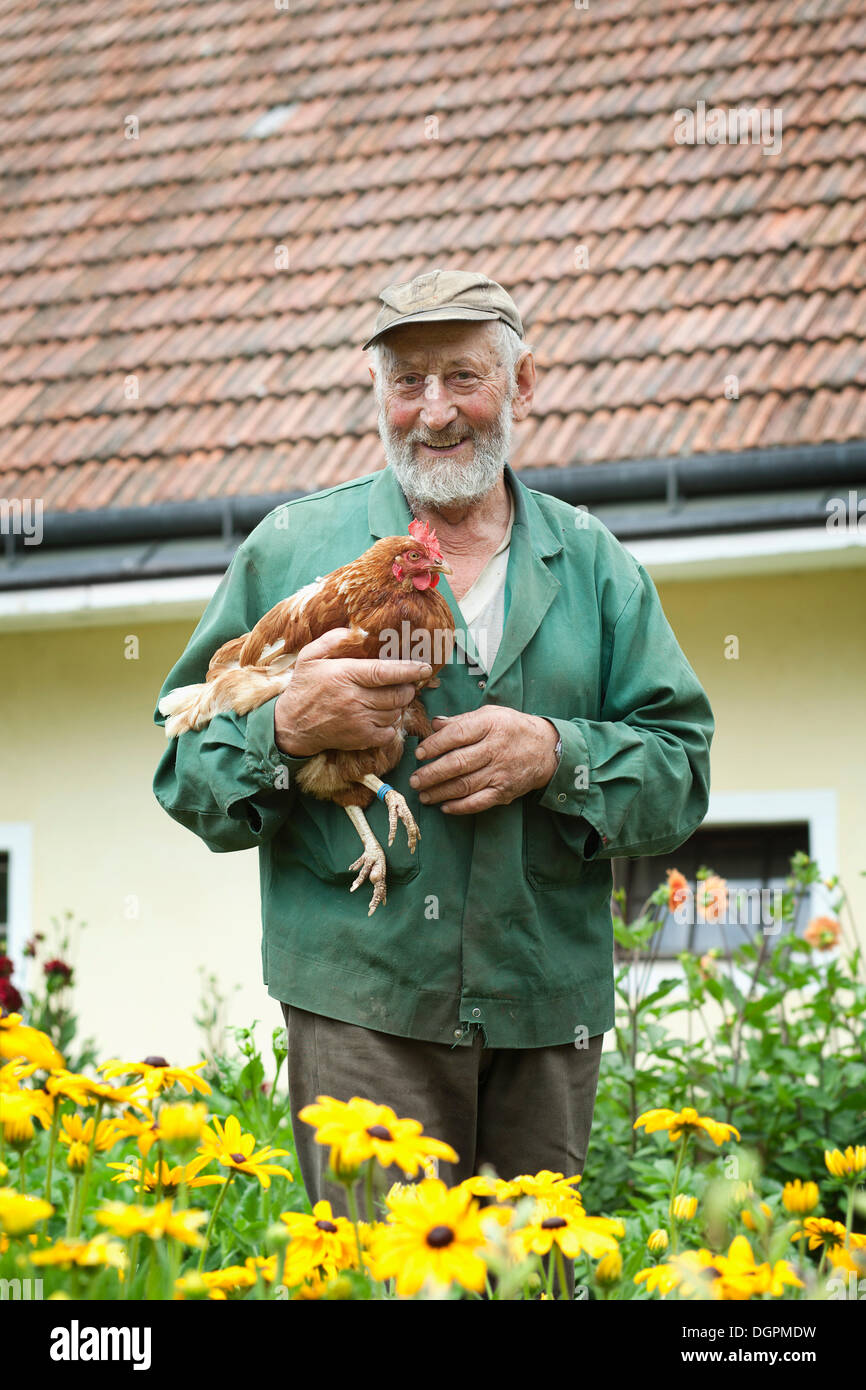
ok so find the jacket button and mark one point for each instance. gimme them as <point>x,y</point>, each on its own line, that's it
<point>476,1013</point>
<point>458,1032</point>
<point>481,685</point>
<point>561,796</point>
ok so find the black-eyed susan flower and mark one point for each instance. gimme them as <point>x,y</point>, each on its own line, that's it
<point>825,1234</point>
<point>320,1244</point>
<point>685,1121</point>
<point>182,1124</point>
<point>168,1179</point>
<point>657,1241</point>
<point>63,1084</point>
<point>683,1207</point>
<point>435,1234</point>
<point>19,1109</point>
<point>740,1278</point>
<point>359,1129</point>
<point>572,1231</point>
<point>78,1135</point>
<point>20,1213</point>
<point>544,1186</point>
<point>18,1040</point>
<point>692,1272</point>
<point>800,1197</point>
<point>850,1166</point>
<point>749,1221</point>
<point>608,1271</point>
<point>234,1149</point>
<point>87,1254</point>
<point>142,1128</point>
<point>156,1074</point>
<point>13,1073</point>
<point>154,1222</point>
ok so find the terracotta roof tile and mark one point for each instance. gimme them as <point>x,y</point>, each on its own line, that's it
<point>154,257</point>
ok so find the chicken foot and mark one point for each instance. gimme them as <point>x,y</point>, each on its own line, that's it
<point>372,863</point>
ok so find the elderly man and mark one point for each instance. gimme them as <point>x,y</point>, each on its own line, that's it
<point>568,728</point>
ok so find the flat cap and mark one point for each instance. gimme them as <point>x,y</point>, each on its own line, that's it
<point>445,294</point>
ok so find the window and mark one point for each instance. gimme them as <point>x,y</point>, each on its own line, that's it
<point>754,860</point>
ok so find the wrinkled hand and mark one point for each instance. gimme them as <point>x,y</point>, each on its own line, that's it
<point>486,757</point>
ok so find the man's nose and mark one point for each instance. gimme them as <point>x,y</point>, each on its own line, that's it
<point>438,410</point>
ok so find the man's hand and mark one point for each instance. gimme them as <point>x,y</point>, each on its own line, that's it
<point>486,757</point>
<point>342,702</point>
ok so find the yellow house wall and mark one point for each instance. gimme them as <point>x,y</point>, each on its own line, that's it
<point>79,752</point>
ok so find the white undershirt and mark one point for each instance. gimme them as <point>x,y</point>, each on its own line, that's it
<point>483,606</point>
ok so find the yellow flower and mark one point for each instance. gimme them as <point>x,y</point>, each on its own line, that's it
<point>219,1282</point>
<point>853,1260</point>
<point>544,1186</point>
<point>692,1272</point>
<point>19,1214</point>
<point>182,1123</point>
<point>18,1109</point>
<point>234,1149</point>
<point>436,1234</point>
<point>800,1197</point>
<point>740,1278</point>
<point>846,1165</point>
<point>157,1075</point>
<point>657,1241</point>
<point>320,1244</point>
<point>114,1095</point>
<point>573,1231</point>
<point>749,1221</point>
<point>154,1222</point>
<point>17,1040</point>
<point>360,1129</point>
<point>686,1121</point>
<point>143,1129</point>
<point>823,1232</point>
<point>13,1073</point>
<point>99,1250</point>
<point>683,1207</point>
<point>78,1134</point>
<point>609,1269</point>
<point>72,1085</point>
<point>172,1178</point>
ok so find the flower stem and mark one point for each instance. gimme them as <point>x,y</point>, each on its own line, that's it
<point>352,1204</point>
<point>849,1215</point>
<point>52,1141</point>
<point>560,1268</point>
<point>85,1177</point>
<point>73,1206</point>
<point>213,1216</point>
<point>674,1230</point>
<point>368,1192</point>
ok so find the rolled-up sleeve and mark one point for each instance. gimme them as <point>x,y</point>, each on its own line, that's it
<point>637,780</point>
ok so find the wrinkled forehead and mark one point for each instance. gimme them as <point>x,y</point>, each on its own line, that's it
<point>439,346</point>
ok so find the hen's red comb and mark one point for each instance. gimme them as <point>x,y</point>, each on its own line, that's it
<point>421,532</point>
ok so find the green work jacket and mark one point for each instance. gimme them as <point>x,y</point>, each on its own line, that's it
<point>500,920</point>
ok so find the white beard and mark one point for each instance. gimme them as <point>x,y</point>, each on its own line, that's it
<point>431,482</point>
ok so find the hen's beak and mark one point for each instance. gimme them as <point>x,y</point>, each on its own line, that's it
<point>443,567</point>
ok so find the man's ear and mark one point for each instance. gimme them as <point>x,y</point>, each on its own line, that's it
<point>524,390</point>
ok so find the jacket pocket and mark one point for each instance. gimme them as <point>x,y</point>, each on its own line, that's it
<point>548,862</point>
<point>320,835</point>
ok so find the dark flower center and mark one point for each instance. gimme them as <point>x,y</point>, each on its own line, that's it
<point>238,1158</point>
<point>379,1132</point>
<point>155,1062</point>
<point>439,1237</point>
<point>553,1223</point>
<point>327,1226</point>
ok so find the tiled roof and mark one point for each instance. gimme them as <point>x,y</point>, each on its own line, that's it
<point>311,128</point>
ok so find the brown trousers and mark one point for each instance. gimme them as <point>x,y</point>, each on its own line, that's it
<point>518,1110</point>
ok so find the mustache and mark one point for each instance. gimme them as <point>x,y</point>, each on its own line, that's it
<point>442,439</point>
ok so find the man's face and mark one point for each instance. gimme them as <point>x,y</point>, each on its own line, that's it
<point>446,411</point>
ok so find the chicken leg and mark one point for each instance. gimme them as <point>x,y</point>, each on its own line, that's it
<point>372,863</point>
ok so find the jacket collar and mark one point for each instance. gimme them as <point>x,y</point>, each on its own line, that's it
<point>532,585</point>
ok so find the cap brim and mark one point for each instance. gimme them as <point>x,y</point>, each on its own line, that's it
<point>426,314</point>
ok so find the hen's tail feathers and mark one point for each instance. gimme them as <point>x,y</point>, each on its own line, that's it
<point>240,690</point>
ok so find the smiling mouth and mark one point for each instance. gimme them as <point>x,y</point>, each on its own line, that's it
<point>444,448</point>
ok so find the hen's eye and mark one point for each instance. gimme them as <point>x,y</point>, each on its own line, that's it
<point>412,555</point>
